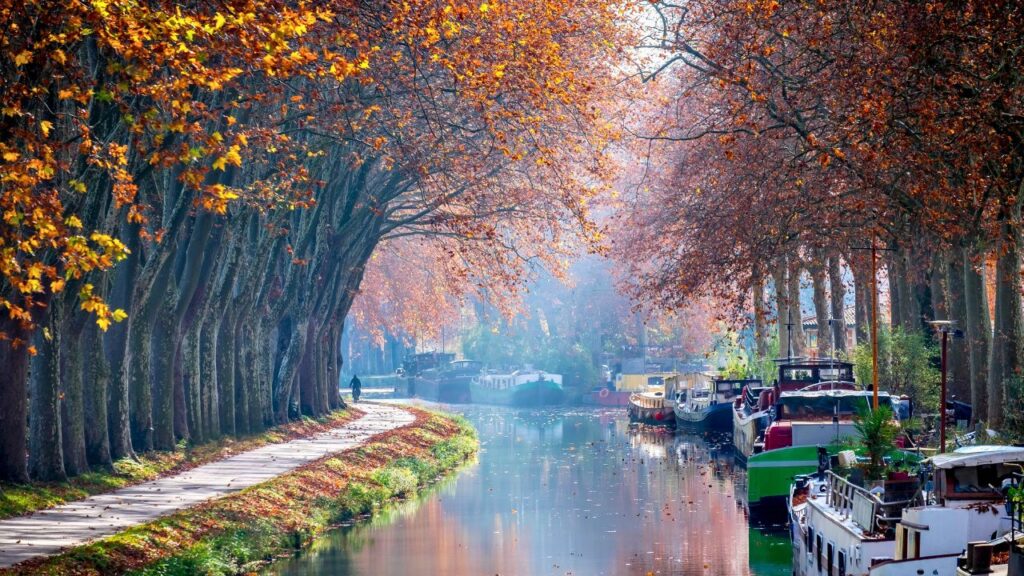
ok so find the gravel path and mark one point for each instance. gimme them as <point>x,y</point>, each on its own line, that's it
<point>48,532</point>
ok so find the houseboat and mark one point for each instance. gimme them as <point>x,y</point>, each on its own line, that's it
<point>448,383</point>
<point>648,407</point>
<point>901,526</point>
<point>752,408</point>
<point>709,409</point>
<point>525,387</point>
<point>802,422</point>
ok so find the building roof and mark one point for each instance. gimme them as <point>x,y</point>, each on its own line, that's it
<point>849,314</point>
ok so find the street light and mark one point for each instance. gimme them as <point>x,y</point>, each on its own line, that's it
<point>944,327</point>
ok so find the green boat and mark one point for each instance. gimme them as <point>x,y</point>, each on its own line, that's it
<point>519,388</point>
<point>770,473</point>
<point>803,421</point>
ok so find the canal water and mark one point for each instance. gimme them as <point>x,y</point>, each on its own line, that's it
<point>563,491</point>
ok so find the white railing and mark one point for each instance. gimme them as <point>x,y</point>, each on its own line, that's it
<point>866,510</point>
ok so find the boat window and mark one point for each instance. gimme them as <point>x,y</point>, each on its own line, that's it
<point>831,557</point>
<point>810,540</point>
<point>977,481</point>
<point>655,381</point>
<point>798,374</point>
<point>841,561</point>
<point>820,552</point>
<point>821,406</point>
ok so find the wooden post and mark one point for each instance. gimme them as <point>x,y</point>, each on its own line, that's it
<point>874,324</point>
<point>942,401</point>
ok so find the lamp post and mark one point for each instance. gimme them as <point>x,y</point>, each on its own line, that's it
<point>944,327</point>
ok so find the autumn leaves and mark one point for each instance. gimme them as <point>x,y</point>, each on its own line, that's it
<point>199,190</point>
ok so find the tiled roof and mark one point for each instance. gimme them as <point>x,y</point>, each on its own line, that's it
<point>850,315</point>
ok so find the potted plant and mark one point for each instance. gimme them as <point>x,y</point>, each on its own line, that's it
<point>877,431</point>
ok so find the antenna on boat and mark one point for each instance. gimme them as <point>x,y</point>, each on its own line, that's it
<point>789,332</point>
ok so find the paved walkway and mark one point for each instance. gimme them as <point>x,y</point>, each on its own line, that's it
<point>48,532</point>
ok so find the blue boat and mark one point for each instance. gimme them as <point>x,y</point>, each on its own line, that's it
<point>709,409</point>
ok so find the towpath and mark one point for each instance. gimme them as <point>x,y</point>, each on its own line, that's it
<point>48,532</point>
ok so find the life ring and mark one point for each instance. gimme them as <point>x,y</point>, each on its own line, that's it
<point>603,393</point>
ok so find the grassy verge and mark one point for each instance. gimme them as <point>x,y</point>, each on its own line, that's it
<point>19,499</point>
<point>239,533</point>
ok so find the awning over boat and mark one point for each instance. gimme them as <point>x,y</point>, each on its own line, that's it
<point>978,456</point>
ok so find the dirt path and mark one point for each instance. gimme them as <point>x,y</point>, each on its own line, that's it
<point>48,532</point>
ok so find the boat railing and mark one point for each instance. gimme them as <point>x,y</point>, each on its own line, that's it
<point>873,514</point>
<point>644,401</point>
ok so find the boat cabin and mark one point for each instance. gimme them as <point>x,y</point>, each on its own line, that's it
<point>811,418</point>
<point>414,364</point>
<point>464,368</point>
<point>799,373</point>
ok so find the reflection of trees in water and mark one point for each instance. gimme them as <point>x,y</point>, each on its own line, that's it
<point>578,489</point>
<point>651,443</point>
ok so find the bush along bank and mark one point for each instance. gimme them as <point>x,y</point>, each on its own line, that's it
<point>239,533</point>
<point>20,499</point>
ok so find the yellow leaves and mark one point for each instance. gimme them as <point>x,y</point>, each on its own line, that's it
<point>57,285</point>
<point>94,304</point>
<point>484,8</point>
<point>23,57</point>
<point>45,126</point>
<point>364,64</point>
<point>73,221</point>
<point>11,156</point>
<point>232,157</point>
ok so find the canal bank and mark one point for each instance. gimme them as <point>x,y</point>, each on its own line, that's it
<point>237,533</point>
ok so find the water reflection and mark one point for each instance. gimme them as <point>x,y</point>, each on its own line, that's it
<point>563,492</point>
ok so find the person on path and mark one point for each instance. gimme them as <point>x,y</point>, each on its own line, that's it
<point>356,386</point>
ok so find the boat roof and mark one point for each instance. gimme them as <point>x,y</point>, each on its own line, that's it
<point>804,361</point>
<point>978,456</point>
<point>830,393</point>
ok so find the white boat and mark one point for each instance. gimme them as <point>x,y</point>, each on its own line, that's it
<point>901,527</point>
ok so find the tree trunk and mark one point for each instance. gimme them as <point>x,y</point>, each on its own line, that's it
<point>97,382</point>
<point>862,303</point>
<point>799,339</point>
<point>978,330</point>
<point>163,351</point>
<point>895,297</point>
<point>1005,356</point>
<point>838,299</point>
<point>760,321</point>
<point>191,383</point>
<point>46,456</point>
<point>288,370</point>
<point>72,404</point>
<point>211,398</point>
<point>952,268</point>
<point>782,314</point>
<point>825,346</point>
<point>13,405</point>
